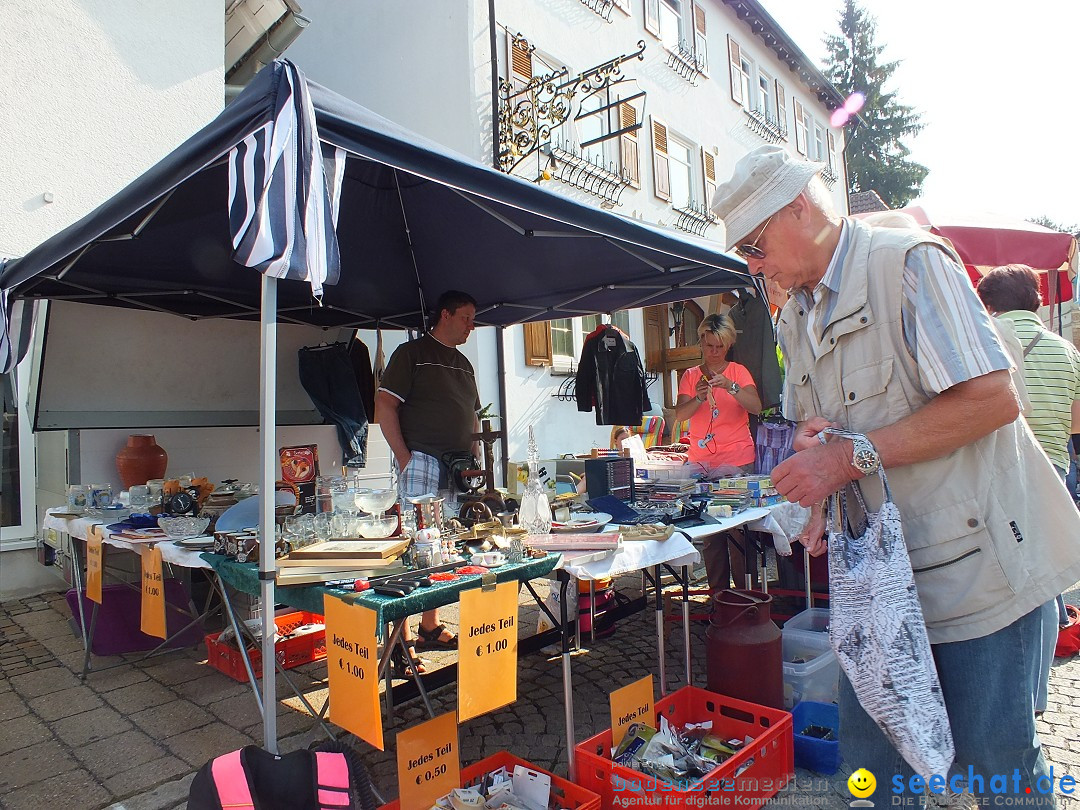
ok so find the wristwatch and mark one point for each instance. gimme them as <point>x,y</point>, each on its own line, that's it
<point>864,456</point>
<point>735,388</point>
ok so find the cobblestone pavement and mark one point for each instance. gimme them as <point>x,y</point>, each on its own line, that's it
<point>131,736</point>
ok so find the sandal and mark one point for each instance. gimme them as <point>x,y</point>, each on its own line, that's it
<point>401,669</point>
<point>432,639</point>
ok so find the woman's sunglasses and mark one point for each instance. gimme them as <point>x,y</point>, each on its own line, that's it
<point>751,250</point>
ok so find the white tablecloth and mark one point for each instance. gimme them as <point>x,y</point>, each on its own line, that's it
<point>170,552</point>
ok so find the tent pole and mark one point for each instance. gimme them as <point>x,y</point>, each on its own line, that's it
<point>268,465</point>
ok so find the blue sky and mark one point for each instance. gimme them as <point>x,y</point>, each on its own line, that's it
<point>997,86</point>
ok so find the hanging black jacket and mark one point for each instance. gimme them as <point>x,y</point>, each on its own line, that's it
<point>755,347</point>
<point>610,378</point>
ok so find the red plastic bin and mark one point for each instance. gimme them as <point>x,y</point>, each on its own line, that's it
<point>747,780</point>
<point>292,652</point>
<point>566,795</point>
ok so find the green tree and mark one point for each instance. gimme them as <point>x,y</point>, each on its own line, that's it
<point>877,158</point>
<point>1046,222</point>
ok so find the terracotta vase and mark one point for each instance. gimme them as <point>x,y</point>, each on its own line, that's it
<point>141,460</point>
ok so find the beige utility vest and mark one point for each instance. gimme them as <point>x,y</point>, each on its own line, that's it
<point>991,531</point>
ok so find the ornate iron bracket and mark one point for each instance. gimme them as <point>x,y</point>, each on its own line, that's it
<point>583,172</point>
<point>694,218</point>
<point>567,391</point>
<point>528,115</point>
<point>765,126</point>
<point>829,177</point>
<point>601,7</point>
<point>685,61</point>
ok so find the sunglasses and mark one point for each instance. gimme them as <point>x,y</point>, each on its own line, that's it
<point>751,250</point>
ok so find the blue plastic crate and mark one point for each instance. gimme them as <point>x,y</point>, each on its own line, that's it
<point>821,756</point>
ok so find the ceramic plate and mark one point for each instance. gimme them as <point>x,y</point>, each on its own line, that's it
<point>582,523</point>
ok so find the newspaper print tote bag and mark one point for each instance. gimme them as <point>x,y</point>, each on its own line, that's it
<point>876,628</point>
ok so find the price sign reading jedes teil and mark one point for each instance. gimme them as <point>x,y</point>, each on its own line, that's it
<point>352,662</point>
<point>487,649</point>
<point>428,762</point>
<point>153,594</point>
<point>95,562</point>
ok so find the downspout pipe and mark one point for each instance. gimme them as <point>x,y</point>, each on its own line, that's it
<point>500,331</point>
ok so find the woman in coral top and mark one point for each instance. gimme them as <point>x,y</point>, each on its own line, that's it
<point>718,397</point>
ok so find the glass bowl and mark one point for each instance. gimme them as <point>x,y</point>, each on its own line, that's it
<point>183,526</point>
<point>375,501</point>
<point>376,527</point>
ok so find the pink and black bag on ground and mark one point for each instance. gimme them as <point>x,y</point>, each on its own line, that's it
<point>332,778</point>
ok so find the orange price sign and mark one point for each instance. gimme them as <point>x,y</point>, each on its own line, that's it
<point>153,594</point>
<point>352,662</point>
<point>487,649</point>
<point>632,704</point>
<point>428,762</point>
<point>95,563</point>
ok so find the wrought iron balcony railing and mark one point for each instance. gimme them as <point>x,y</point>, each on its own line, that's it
<point>829,177</point>
<point>694,218</point>
<point>765,126</point>
<point>601,7</point>
<point>568,164</point>
<point>687,62</point>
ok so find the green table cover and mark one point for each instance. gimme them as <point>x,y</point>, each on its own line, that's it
<point>245,577</point>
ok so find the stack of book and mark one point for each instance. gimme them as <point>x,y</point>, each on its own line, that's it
<point>341,560</point>
<point>666,491</point>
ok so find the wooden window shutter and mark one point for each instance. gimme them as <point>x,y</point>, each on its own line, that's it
<point>700,41</point>
<point>800,127</point>
<point>652,17</point>
<point>832,152</point>
<point>781,107</point>
<point>628,145</point>
<point>656,333</point>
<point>521,65</point>
<point>661,178</point>
<point>537,343</point>
<point>735,58</point>
<point>708,165</point>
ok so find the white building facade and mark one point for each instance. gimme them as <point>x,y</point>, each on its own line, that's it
<point>714,80</point>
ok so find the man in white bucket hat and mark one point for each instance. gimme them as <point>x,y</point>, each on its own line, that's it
<point>884,336</point>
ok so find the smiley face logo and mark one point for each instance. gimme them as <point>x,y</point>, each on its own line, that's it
<point>861,783</point>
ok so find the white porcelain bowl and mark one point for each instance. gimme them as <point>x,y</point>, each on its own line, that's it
<point>181,526</point>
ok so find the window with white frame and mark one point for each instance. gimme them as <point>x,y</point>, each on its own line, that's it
<point>670,23</point>
<point>568,335</point>
<point>765,101</point>
<point>820,148</point>
<point>594,123</point>
<point>681,172</point>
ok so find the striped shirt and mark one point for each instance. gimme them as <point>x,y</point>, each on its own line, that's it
<point>1052,376</point>
<point>947,330</point>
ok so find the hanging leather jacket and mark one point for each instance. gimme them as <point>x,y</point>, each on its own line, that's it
<point>611,378</point>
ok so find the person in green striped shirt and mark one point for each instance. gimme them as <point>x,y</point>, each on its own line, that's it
<point>1052,377</point>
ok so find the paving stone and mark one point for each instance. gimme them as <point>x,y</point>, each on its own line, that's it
<point>11,705</point>
<point>22,731</point>
<point>72,790</point>
<point>139,696</point>
<point>237,712</point>
<point>165,797</point>
<point>107,680</point>
<point>146,776</point>
<point>57,705</point>
<point>43,682</point>
<point>108,757</point>
<point>200,745</point>
<point>96,724</point>
<point>171,718</point>
<point>213,687</point>
<point>33,763</point>
<point>174,669</point>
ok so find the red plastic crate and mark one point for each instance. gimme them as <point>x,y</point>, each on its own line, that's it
<point>747,780</point>
<point>292,652</point>
<point>566,795</point>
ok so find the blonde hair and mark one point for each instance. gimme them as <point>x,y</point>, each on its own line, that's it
<point>719,325</point>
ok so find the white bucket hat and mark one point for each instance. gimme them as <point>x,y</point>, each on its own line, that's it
<point>763,182</point>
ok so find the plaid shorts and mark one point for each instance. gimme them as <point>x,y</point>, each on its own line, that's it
<point>420,476</point>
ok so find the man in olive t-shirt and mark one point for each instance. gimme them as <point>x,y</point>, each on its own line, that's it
<point>426,405</point>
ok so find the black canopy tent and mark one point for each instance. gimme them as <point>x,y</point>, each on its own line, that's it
<point>410,211</point>
<point>413,218</point>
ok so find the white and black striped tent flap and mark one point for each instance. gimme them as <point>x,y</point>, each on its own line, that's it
<point>16,328</point>
<point>281,210</point>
